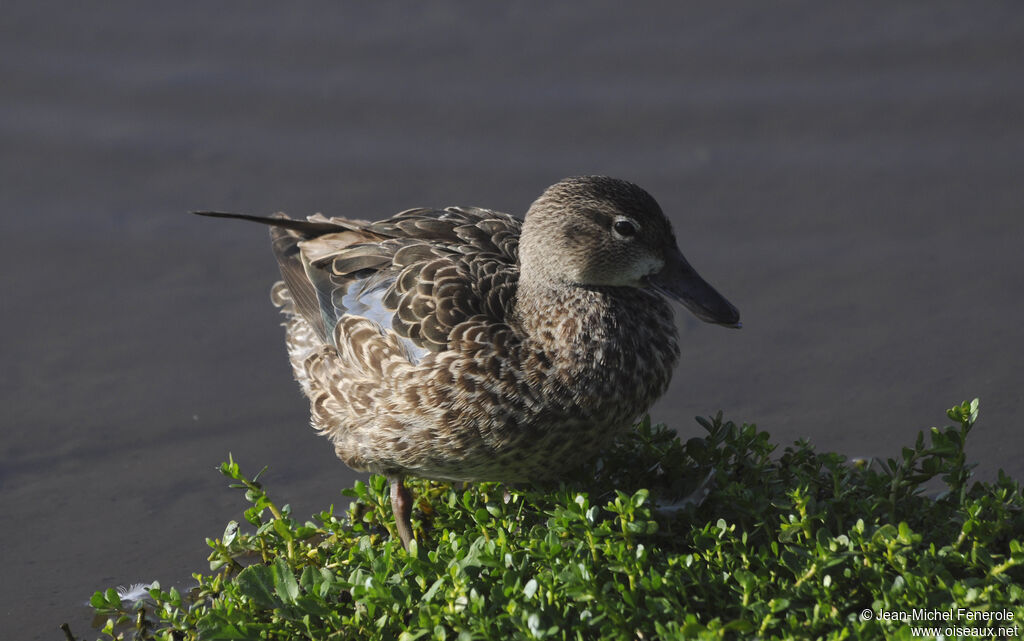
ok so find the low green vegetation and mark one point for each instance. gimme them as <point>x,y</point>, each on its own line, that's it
<point>786,545</point>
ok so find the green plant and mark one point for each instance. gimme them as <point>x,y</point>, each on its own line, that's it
<point>787,545</point>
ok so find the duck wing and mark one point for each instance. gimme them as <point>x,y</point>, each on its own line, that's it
<point>418,274</point>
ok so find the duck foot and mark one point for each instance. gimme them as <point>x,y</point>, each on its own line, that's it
<point>401,505</point>
<point>695,498</point>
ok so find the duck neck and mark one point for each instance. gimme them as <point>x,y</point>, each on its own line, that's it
<point>593,319</point>
<point>555,313</point>
<point>600,339</point>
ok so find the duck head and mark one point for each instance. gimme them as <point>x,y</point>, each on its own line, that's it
<point>600,231</point>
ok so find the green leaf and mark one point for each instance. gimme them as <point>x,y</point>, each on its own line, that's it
<point>217,627</point>
<point>256,582</point>
<point>284,581</point>
<point>282,529</point>
<point>97,600</point>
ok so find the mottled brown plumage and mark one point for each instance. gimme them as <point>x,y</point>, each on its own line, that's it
<point>467,344</point>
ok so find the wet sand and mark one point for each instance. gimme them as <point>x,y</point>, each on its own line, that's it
<point>849,176</point>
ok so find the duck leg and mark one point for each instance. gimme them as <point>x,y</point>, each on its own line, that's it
<point>401,505</point>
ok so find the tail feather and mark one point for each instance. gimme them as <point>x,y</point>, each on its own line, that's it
<point>309,229</point>
<point>286,234</point>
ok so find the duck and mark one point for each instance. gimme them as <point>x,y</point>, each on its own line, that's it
<point>467,344</point>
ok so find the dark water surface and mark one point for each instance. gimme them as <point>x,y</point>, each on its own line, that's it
<point>849,176</point>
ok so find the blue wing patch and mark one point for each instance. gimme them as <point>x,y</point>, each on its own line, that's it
<point>365,298</point>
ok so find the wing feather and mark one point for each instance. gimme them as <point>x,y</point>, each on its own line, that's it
<point>418,274</point>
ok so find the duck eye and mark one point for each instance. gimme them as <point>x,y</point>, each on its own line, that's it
<point>624,228</point>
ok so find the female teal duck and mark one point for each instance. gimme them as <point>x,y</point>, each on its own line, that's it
<point>466,344</point>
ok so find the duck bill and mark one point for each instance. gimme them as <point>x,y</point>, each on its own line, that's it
<point>680,282</point>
